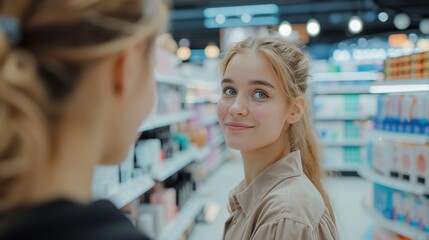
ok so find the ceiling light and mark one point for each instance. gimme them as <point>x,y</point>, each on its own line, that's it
<point>211,51</point>
<point>423,45</point>
<point>397,88</point>
<point>424,26</point>
<point>313,27</point>
<point>220,18</point>
<point>355,25</point>
<point>401,21</point>
<point>285,29</point>
<point>383,17</point>
<point>184,53</point>
<point>246,18</point>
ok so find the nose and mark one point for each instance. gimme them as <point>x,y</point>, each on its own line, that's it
<point>239,107</point>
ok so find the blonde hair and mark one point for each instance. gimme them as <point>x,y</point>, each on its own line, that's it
<point>59,38</point>
<point>291,67</point>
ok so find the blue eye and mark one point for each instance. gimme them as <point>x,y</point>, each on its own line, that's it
<point>260,95</point>
<point>229,91</point>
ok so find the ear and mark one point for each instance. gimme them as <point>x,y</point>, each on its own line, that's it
<point>126,67</point>
<point>298,108</point>
<point>119,72</point>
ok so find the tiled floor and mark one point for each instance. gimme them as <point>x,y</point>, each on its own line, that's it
<point>346,194</point>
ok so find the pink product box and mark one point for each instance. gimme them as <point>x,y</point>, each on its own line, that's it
<point>167,198</point>
<point>421,159</point>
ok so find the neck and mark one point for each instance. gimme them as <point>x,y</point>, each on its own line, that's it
<point>256,161</point>
<point>68,173</point>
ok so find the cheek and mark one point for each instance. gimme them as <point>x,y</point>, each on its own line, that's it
<point>222,110</point>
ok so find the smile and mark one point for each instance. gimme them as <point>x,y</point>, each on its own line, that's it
<point>237,127</point>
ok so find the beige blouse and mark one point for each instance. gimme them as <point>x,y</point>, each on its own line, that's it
<point>281,203</point>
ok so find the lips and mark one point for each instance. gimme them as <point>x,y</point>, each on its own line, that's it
<point>236,126</point>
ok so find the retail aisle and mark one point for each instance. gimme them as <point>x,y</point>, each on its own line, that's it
<point>346,194</point>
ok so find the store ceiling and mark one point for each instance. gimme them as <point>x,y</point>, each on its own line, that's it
<point>188,18</point>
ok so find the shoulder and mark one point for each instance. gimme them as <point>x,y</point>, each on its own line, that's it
<point>294,199</point>
<point>67,220</point>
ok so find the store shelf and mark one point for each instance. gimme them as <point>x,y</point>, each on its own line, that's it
<point>401,137</point>
<point>347,76</point>
<point>400,86</point>
<point>179,81</point>
<point>343,143</point>
<point>206,99</point>
<point>210,120</point>
<point>132,190</point>
<point>342,168</point>
<point>370,174</point>
<point>188,213</point>
<point>342,89</point>
<point>396,227</point>
<point>165,120</point>
<point>350,116</point>
<point>174,164</point>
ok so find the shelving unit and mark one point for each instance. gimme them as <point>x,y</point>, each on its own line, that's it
<point>343,143</point>
<point>358,89</point>
<point>401,86</point>
<point>351,117</point>
<point>132,190</point>
<point>373,176</point>
<point>179,81</point>
<point>397,227</point>
<point>342,168</point>
<point>165,120</point>
<point>173,165</point>
<point>187,214</point>
<point>400,137</point>
<point>210,120</point>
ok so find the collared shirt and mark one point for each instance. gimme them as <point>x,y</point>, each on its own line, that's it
<point>281,203</point>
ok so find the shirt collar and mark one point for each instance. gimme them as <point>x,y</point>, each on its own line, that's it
<point>248,197</point>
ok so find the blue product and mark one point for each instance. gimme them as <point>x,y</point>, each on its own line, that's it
<point>383,200</point>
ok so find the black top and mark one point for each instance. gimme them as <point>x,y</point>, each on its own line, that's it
<point>67,220</point>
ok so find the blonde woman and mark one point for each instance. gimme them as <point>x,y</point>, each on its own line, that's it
<point>75,84</point>
<point>263,114</point>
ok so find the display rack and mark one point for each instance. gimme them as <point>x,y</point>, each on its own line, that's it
<point>173,165</point>
<point>187,214</point>
<point>373,176</point>
<point>400,137</point>
<point>346,84</point>
<point>132,190</point>
<point>393,226</point>
<point>406,87</point>
<point>165,120</point>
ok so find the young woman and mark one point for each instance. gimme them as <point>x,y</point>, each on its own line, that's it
<point>75,84</point>
<point>262,111</point>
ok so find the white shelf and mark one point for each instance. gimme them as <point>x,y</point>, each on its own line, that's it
<point>165,120</point>
<point>401,86</point>
<point>180,81</point>
<point>131,190</point>
<point>184,218</point>
<point>174,164</point>
<point>350,116</point>
<point>401,137</point>
<point>393,226</point>
<point>347,76</point>
<point>342,89</point>
<point>343,143</point>
<point>210,120</point>
<point>370,174</point>
<point>343,167</point>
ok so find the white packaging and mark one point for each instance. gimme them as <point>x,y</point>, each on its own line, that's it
<point>422,164</point>
<point>380,160</point>
<point>394,161</point>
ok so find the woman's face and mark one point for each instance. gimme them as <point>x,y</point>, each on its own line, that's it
<point>252,109</point>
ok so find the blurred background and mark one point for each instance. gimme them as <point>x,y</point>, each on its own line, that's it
<point>369,95</point>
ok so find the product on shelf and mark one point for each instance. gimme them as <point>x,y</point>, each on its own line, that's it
<point>414,66</point>
<point>408,209</point>
<point>403,113</point>
<point>403,161</point>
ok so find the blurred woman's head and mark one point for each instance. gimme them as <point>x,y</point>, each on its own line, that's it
<point>70,67</point>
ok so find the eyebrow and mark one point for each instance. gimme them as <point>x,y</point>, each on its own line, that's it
<point>252,82</point>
